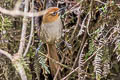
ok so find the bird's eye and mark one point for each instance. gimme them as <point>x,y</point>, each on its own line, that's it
<point>54,13</point>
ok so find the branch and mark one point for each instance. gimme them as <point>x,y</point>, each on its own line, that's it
<point>31,33</point>
<point>57,62</point>
<point>20,13</point>
<point>16,62</point>
<point>6,54</point>
<point>23,33</point>
<point>70,73</point>
<point>58,70</point>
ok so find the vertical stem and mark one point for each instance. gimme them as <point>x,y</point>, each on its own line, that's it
<point>24,27</point>
<point>19,65</point>
<point>31,33</point>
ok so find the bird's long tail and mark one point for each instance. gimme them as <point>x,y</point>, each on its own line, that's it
<point>52,53</point>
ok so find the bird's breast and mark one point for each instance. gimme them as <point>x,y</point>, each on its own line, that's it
<point>51,32</point>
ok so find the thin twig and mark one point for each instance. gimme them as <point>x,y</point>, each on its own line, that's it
<point>82,26</point>
<point>100,2</point>
<point>58,68</point>
<point>31,33</point>
<point>81,46</point>
<point>78,4</point>
<point>70,73</point>
<point>57,62</point>
<point>23,33</point>
<point>92,55</point>
<point>17,5</point>
<point>73,33</point>
<point>89,17</point>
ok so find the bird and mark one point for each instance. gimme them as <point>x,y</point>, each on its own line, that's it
<point>50,33</point>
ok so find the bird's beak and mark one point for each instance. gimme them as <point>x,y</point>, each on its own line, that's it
<point>60,11</point>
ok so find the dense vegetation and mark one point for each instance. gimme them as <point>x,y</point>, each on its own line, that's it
<point>89,48</point>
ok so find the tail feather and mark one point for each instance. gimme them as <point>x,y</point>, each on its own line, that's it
<point>52,52</point>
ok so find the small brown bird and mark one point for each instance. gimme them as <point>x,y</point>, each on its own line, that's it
<point>50,32</point>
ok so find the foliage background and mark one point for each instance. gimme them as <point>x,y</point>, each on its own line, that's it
<point>91,40</point>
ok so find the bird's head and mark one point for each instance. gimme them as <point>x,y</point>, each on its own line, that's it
<point>51,15</point>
